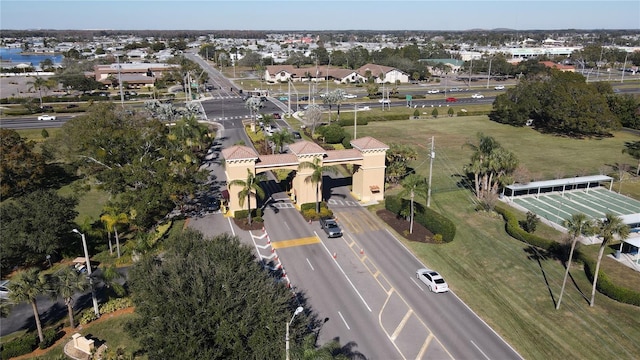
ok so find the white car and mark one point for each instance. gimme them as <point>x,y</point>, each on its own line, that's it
<point>46,118</point>
<point>384,101</point>
<point>433,280</point>
<point>499,87</point>
<point>433,91</point>
<point>477,96</point>
<point>4,289</point>
<point>350,96</point>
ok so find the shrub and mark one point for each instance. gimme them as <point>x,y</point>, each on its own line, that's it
<point>308,211</point>
<point>333,134</point>
<point>243,214</point>
<point>428,218</point>
<point>50,336</point>
<point>20,346</point>
<point>87,316</point>
<point>437,238</point>
<point>115,305</point>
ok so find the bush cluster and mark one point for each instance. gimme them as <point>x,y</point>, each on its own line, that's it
<point>115,305</point>
<point>308,211</point>
<point>19,346</point>
<point>87,316</point>
<point>605,286</point>
<point>244,214</point>
<point>426,217</point>
<point>50,336</point>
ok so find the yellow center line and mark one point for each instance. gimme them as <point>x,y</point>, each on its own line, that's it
<point>295,242</point>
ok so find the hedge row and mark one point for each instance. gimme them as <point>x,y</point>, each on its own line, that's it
<point>244,214</point>
<point>474,113</point>
<point>605,286</point>
<point>426,217</point>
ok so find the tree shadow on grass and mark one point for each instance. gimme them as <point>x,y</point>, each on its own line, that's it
<point>537,255</point>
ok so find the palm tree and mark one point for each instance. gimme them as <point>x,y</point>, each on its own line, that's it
<point>39,84</point>
<point>108,276</point>
<point>608,228</point>
<point>112,220</point>
<point>27,285</point>
<point>67,282</point>
<point>250,187</point>
<point>413,185</point>
<point>282,137</point>
<point>577,225</point>
<point>316,176</point>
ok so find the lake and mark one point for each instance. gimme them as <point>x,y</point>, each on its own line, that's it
<point>16,56</point>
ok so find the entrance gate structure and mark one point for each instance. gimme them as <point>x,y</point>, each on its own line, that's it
<point>367,156</point>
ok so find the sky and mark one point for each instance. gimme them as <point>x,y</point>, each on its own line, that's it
<point>318,15</point>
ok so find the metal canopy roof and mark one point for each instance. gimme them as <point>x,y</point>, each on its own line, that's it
<point>560,182</point>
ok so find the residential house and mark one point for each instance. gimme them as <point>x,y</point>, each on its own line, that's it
<point>135,75</point>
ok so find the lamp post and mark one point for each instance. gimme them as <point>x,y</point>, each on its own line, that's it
<point>355,121</point>
<point>489,77</point>
<point>86,258</point>
<point>286,348</point>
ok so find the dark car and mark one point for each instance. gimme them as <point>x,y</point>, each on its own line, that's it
<point>330,226</point>
<point>296,135</point>
<point>304,98</point>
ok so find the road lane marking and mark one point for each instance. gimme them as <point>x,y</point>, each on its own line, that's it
<point>482,352</point>
<point>343,273</point>
<point>287,225</point>
<point>425,346</point>
<point>231,226</point>
<point>401,325</point>
<point>344,321</point>
<point>415,282</point>
<point>311,266</point>
<point>295,242</point>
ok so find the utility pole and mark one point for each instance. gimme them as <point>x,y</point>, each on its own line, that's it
<point>120,82</point>
<point>432,155</point>
<point>355,121</point>
<point>489,77</point>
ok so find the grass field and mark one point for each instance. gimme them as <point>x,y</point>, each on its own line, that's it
<point>511,286</point>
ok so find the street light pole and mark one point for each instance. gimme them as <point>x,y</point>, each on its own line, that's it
<point>88,262</point>
<point>299,309</point>
<point>489,77</point>
<point>432,155</point>
<point>355,121</point>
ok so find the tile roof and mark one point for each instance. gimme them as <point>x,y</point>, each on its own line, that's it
<point>239,152</point>
<point>306,148</point>
<point>342,155</point>
<point>368,143</point>
<point>277,159</point>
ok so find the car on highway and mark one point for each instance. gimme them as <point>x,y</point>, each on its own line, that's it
<point>46,117</point>
<point>477,96</point>
<point>4,289</point>
<point>455,89</point>
<point>350,96</point>
<point>499,87</point>
<point>434,281</point>
<point>304,98</point>
<point>433,91</point>
<point>384,101</point>
<point>451,99</point>
<point>283,98</point>
<point>330,226</point>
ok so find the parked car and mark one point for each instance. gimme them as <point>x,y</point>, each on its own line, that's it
<point>4,289</point>
<point>330,226</point>
<point>46,117</point>
<point>276,115</point>
<point>477,96</point>
<point>451,99</point>
<point>499,87</point>
<point>433,91</point>
<point>296,135</point>
<point>434,281</point>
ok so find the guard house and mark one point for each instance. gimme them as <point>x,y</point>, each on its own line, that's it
<point>367,157</point>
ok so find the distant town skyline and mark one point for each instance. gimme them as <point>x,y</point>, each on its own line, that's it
<point>310,15</point>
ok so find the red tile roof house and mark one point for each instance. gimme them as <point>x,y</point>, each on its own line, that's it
<point>136,75</point>
<point>282,73</point>
<point>564,68</point>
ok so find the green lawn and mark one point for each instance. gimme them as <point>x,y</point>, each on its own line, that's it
<point>512,287</point>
